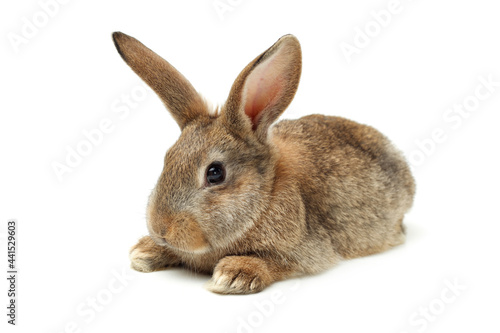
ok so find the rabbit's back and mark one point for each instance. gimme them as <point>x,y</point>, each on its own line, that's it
<point>355,185</point>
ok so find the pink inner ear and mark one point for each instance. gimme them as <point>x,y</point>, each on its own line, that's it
<point>262,89</point>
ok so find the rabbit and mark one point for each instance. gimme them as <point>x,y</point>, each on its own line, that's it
<point>252,203</point>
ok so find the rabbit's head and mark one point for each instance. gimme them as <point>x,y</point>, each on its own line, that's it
<point>218,177</point>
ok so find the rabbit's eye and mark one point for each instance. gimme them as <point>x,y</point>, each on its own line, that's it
<point>215,173</point>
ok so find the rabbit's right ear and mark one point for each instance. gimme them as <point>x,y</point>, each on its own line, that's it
<point>264,89</point>
<point>178,95</point>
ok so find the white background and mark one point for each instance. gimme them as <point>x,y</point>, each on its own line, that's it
<point>74,234</point>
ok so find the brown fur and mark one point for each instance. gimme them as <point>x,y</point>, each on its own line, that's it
<point>297,198</point>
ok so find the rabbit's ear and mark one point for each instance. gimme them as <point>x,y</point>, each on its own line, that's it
<point>265,88</point>
<point>178,95</point>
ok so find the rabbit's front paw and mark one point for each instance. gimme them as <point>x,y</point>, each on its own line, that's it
<point>146,256</point>
<point>240,275</point>
<point>144,261</point>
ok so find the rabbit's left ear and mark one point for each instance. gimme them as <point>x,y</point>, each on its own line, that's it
<point>265,88</point>
<point>178,95</point>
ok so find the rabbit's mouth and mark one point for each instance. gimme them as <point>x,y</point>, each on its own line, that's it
<point>160,241</point>
<point>179,232</point>
<point>163,242</point>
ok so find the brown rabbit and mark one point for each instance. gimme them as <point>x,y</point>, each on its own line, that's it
<point>254,204</point>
